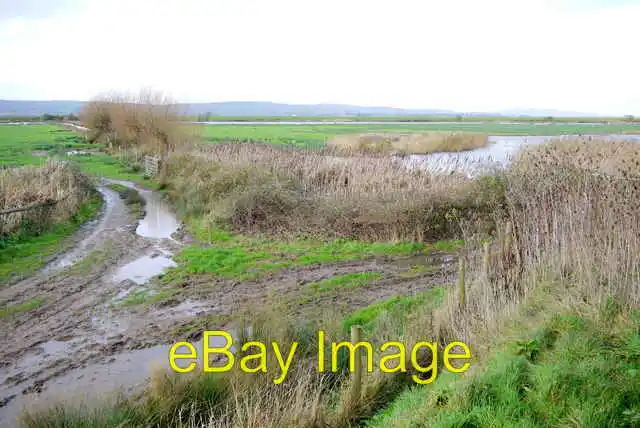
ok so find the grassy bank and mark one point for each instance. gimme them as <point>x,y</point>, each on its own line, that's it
<point>25,252</point>
<point>562,366</point>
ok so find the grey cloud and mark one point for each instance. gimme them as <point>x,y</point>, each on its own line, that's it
<point>35,9</point>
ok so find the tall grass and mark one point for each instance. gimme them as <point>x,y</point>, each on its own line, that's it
<point>574,207</point>
<point>30,185</point>
<point>262,188</point>
<point>409,143</point>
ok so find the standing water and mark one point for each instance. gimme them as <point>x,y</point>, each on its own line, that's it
<point>127,370</point>
<point>159,222</point>
<point>498,153</point>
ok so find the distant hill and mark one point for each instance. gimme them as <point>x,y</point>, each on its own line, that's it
<point>234,108</point>
<point>533,112</point>
<point>38,108</point>
<point>276,109</point>
<point>259,108</point>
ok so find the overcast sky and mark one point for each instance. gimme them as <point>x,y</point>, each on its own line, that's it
<point>464,55</point>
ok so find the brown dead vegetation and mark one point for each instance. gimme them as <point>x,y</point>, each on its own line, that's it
<point>259,188</point>
<point>409,143</point>
<point>58,186</point>
<point>144,123</point>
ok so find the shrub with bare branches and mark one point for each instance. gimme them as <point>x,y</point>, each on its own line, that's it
<point>148,121</point>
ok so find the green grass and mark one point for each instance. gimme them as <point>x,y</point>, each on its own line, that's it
<point>572,370</point>
<point>317,135</point>
<point>243,257</point>
<point>346,281</point>
<point>418,270</point>
<point>145,296</point>
<point>397,307</point>
<point>9,310</point>
<point>18,143</point>
<point>103,165</point>
<point>21,255</point>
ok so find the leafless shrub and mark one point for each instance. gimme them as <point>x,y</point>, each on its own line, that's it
<point>148,121</point>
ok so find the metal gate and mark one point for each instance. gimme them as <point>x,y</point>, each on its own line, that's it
<point>151,166</point>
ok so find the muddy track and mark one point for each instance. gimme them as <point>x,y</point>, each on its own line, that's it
<point>78,343</point>
<point>66,331</point>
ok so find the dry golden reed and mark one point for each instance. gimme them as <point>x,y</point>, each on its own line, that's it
<point>31,185</point>
<point>294,192</point>
<point>409,143</point>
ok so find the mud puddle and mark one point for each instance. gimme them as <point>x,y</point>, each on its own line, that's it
<point>159,222</point>
<point>125,373</point>
<point>76,346</point>
<point>143,269</point>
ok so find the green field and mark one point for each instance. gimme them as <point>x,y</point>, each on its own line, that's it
<point>30,144</point>
<point>33,144</point>
<point>316,135</point>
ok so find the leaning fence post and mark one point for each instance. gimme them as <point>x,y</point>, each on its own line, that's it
<point>356,380</point>
<point>462,294</point>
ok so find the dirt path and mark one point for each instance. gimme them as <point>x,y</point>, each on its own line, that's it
<point>79,343</point>
<point>73,325</point>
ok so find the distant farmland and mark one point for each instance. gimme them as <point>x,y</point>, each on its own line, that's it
<point>317,135</point>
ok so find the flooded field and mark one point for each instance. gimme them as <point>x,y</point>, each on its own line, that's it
<point>497,154</point>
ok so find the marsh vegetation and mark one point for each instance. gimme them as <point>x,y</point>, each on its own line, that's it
<point>549,301</point>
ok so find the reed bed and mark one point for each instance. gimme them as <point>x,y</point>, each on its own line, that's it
<point>143,123</point>
<point>57,181</point>
<point>409,143</point>
<point>268,189</point>
<point>573,219</point>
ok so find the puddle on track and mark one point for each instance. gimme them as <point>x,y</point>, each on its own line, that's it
<point>124,373</point>
<point>432,260</point>
<point>159,222</point>
<point>143,269</point>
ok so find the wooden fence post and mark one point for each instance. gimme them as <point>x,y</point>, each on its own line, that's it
<point>462,292</point>
<point>356,380</point>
